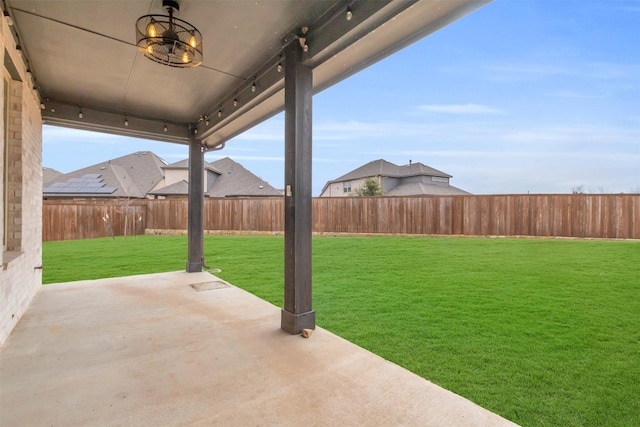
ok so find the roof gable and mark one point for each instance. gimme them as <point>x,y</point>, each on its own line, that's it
<point>144,168</point>
<point>384,168</point>
<point>235,180</point>
<point>373,168</point>
<point>176,189</point>
<point>184,165</point>
<point>49,174</point>
<point>413,169</point>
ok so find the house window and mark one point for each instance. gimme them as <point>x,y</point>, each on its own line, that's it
<point>346,187</point>
<point>439,179</point>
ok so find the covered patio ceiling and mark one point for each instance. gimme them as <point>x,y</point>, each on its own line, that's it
<point>82,57</point>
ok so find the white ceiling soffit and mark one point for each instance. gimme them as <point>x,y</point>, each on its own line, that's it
<point>83,57</point>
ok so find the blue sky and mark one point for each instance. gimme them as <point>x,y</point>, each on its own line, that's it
<point>519,96</point>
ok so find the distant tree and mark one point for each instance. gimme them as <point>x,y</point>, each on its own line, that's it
<point>369,188</point>
<point>581,189</point>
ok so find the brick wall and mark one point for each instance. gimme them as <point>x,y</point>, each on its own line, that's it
<point>14,172</point>
<point>20,274</point>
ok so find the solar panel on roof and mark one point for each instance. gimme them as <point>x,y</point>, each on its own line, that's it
<point>91,183</point>
<point>103,190</point>
<point>106,190</point>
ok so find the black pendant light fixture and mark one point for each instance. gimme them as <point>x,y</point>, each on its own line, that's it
<point>169,40</point>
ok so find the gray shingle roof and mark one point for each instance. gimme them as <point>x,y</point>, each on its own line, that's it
<point>176,189</point>
<point>133,175</point>
<point>382,167</point>
<point>232,180</point>
<point>236,181</point>
<point>421,169</point>
<point>184,164</point>
<point>414,188</point>
<point>49,174</point>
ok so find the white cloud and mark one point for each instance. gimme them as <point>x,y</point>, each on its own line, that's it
<point>461,109</point>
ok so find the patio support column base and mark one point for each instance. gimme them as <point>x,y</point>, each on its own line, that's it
<point>298,93</point>
<point>195,223</point>
<point>194,267</point>
<point>295,323</point>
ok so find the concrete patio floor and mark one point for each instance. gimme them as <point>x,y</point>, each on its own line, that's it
<point>151,350</point>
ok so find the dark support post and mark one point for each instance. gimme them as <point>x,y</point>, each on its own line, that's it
<point>297,314</point>
<point>195,222</point>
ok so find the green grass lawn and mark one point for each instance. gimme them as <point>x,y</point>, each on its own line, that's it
<point>543,332</point>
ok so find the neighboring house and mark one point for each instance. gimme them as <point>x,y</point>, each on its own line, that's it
<point>130,176</point>
<point>145,175</point>
<point>407,180</point>
<point>223,178</point>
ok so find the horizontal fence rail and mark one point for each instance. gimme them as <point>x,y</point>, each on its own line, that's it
<point>574,215</point>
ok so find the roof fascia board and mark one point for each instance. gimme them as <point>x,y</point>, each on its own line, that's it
<point>267,98</point>
<point>337,32</point>
<point>66,115</point>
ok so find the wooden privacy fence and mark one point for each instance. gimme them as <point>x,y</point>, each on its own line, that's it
<point>256,214</point>
<point>86,219</point>
<point>592,216</point>
<point>575,215</point>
